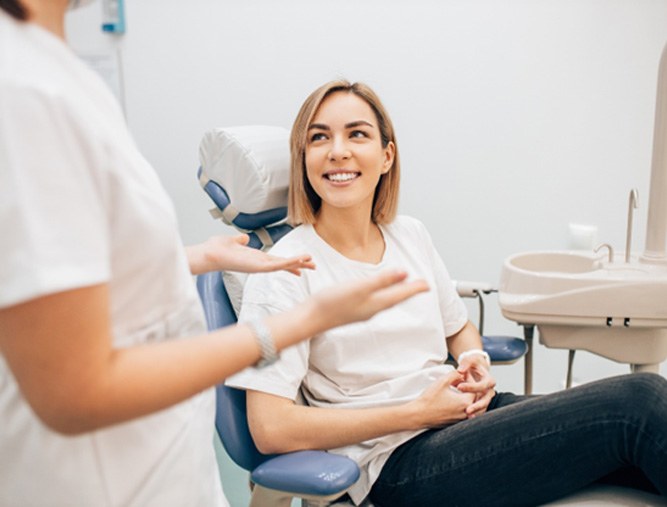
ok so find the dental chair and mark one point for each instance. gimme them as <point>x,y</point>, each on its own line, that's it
<point>253,163</point>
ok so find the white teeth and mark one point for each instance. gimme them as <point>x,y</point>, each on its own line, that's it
<point>342,176</point>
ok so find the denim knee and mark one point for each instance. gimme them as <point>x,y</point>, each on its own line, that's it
<point>639,392</point>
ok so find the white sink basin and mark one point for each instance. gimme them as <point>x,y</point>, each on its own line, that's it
<point>554,262</point>
<point>582,301</point>
<point>557,286</point>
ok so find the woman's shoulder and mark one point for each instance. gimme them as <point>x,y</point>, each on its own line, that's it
<point>406,225</point>
<point>293,243</point>
<point>280,289</point>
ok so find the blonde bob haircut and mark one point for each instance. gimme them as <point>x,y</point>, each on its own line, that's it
<point>303,202</point>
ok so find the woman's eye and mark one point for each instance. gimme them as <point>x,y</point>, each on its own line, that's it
<point>358,133</point>
<point>319,136</point>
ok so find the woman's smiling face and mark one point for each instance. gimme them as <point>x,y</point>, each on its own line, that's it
<point>344,154</point>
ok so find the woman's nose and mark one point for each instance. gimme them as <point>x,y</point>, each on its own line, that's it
<point>339,149</point>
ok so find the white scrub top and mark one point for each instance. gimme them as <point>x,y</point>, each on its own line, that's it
<point>80,206</point>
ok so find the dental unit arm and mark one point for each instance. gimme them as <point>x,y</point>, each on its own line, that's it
<point>655,251</point>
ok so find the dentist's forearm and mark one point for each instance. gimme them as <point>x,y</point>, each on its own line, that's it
<point>59,349</point>
<point>173,371</point>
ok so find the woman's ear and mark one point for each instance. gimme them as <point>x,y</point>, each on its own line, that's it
<point>389,154</point>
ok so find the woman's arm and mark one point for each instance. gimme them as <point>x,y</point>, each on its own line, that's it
<point>467,338</point>
<point>278,425</point>
<point>230,253</point>
<point>59,348</point>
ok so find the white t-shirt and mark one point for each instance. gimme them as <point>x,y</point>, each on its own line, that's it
<point>387,360</point>
<point>80,206</point>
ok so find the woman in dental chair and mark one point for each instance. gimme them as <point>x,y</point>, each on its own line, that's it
<point>422,432</point>
<point>106,369</point>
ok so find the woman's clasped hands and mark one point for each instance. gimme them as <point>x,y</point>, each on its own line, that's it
<point>462,394</point>
<point>478,381</point>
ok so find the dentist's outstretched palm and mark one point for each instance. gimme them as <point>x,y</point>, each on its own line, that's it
<point>361,300</point>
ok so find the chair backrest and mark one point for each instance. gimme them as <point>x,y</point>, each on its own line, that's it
<point>245,172</point>
<point>231,422</point>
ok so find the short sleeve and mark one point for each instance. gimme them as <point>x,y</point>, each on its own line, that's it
<point>52,213</point>
<point>264,295</point>
<point>453,310</point>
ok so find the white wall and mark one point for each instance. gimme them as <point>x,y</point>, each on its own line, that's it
<point>514,117</point>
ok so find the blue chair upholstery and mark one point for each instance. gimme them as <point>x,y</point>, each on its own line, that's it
<point>245,221</point>
<point>504,349</point>
<point>277,478</point>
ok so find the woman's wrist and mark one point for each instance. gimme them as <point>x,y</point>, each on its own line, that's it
<point>474,352</point>
<point>414,414</point>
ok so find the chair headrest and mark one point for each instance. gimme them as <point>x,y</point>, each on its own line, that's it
<point>249,165</point>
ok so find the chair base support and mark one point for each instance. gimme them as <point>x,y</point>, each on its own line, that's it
<point>264,497</point>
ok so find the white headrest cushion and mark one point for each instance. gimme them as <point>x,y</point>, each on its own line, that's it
<point>251,163</point>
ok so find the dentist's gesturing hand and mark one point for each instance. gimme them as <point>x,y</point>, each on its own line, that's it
<point>360,300</point>
<point>231,253</point>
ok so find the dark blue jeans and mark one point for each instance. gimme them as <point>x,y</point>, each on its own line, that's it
<point>530,450</point>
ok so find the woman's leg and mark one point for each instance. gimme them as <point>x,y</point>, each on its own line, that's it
<point>530,451</point>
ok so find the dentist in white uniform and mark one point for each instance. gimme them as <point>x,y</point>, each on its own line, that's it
<point>106,371</point>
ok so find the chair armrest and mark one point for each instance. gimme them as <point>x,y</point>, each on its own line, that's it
<point>468,289</point>
<point>307,473</point>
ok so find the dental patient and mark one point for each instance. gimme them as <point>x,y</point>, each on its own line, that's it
<point>423,433</point>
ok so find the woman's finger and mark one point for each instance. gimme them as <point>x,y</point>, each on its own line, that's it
<point>480,405</point>
<point>401,291</point>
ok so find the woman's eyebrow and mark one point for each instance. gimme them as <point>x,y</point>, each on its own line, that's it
<point>318,126</point>
<point>358,123</point>
<point>352,124</point>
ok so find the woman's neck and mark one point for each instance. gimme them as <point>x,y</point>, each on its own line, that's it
<point>352,234</point>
